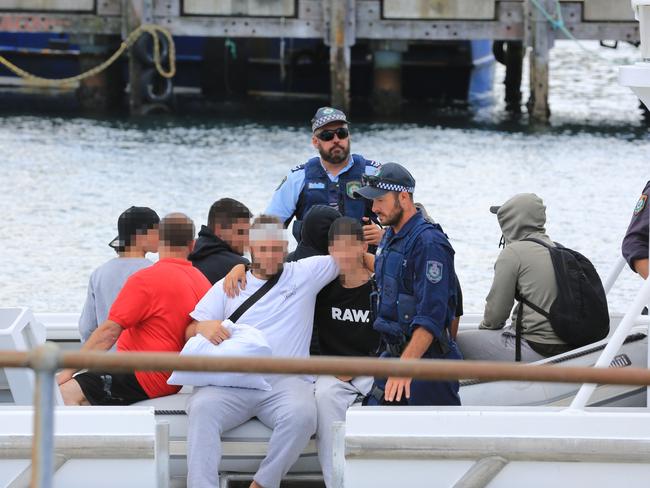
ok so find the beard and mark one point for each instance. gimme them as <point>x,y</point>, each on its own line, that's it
<point>334,157</point>
<point>395,216</point>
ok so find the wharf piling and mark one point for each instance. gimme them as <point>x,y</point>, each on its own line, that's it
<point>389,28</point>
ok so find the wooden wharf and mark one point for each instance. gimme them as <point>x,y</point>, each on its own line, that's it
<point>388,25</point>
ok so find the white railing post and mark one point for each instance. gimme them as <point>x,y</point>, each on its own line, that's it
<point>615,342</point>
<point>647,304</point>
<point>613,275</point>
<point>45,361</point>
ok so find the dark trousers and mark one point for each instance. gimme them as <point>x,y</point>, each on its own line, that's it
<point>422,392</point>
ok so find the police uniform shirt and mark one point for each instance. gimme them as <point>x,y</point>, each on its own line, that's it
<point>635,243</point>
<point>431,268</point>
<point>285,199</point>
<point>343,321</point>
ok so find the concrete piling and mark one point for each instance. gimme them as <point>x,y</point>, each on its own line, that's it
<point>540,36</point>
<point>104,91</point>
<point>341,38</point>
<point>387,77</point>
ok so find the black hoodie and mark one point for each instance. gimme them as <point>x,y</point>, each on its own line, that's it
<point>213,256</point>
<point>314,232</point>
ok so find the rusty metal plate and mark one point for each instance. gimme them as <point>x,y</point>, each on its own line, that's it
<point>249,8</point>
<point>48,5</point>
<point>608,10</point>
<point>439,9</point>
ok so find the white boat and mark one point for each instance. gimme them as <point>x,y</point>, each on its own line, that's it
<point>109,432</point>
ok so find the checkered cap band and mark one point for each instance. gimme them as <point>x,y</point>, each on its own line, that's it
<point>337,116</point>
<point>393,187</point>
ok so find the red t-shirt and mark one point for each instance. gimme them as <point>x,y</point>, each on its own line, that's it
<point>153,309</point>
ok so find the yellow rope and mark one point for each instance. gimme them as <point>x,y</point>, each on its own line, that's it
<point>153,30</point>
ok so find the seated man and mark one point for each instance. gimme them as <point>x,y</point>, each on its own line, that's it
<point>522,266</point>
<point>343,321</point>
<point>137,235</point>
<point>314,232</point>
<point>635,243</point>
<point>221,243</point>
<point>151,313</point>
<point>285,315</point>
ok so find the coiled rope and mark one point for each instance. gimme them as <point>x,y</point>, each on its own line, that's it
<point>153,30</point>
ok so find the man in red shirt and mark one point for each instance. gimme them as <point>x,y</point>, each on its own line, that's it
<point>151,313</point>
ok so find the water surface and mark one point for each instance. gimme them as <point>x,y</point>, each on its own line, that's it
<point>65,180</point>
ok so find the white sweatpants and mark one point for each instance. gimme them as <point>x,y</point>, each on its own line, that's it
<point>289,409</point>
<point>333,398</point>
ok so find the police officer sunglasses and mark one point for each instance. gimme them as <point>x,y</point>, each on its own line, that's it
<point>328,135</point>
<point>373,180</point>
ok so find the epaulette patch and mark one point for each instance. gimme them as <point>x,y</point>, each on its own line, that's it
<point>298,168</point>
<point>640,205</point>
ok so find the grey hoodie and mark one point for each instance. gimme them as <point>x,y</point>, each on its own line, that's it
<point>524,266</point>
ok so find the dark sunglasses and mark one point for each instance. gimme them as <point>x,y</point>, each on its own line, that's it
<point>373,180</point>
<point>328,135</point>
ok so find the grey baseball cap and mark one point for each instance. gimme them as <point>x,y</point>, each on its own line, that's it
<point>390,177</point>
<point>327,115</point>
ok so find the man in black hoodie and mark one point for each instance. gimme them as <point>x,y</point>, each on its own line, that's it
<point>221,243</point>
<point>314,231</point>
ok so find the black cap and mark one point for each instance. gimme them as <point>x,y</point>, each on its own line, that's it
<point>390,177</point>
<point>327,115</point>
<point>132,221</point>
<point>495,208</point>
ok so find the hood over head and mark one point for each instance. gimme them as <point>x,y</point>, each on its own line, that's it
<point>207,244</point>
<point>521,216</point>
<point>314,231</point>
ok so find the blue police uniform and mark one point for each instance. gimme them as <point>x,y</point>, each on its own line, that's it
<point>416,287</point>
<point>310,184</point>
<point>635,243</point>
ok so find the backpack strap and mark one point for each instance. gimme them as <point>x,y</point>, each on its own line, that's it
<point>520,314</point>
<point>519,322</point>
<point>522,301</point>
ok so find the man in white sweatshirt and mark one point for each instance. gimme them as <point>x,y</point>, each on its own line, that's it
<point>285,315</point>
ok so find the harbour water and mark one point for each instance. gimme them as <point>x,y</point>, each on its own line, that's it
<point>65,179</point>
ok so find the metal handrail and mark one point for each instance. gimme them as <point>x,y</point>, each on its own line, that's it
<point>46,359</point>
<point>425,369</point>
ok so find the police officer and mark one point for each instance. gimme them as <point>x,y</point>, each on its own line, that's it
<point>328,179</point>
<point>635,243</point>
<point>416,288</point>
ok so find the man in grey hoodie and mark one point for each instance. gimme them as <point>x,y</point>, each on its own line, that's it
<point>522,266</point>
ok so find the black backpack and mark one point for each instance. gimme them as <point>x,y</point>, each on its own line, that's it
<point>579,315</point>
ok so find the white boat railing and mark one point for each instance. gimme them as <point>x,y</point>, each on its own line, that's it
<point>46,359</point>
<point>614,274</point>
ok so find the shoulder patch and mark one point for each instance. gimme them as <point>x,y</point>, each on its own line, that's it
<point>298,168</point>
<point>434,271</point>
<point>641,204</point>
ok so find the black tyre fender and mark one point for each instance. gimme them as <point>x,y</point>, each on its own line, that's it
<point>155,88</point>
<point>143,49</point>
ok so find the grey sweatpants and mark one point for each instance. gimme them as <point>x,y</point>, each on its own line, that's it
<point>333,398</point>
<point>289,409</point>
<point>493,345</point>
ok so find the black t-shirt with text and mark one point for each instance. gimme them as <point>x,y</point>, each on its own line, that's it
<point>343,321</point>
